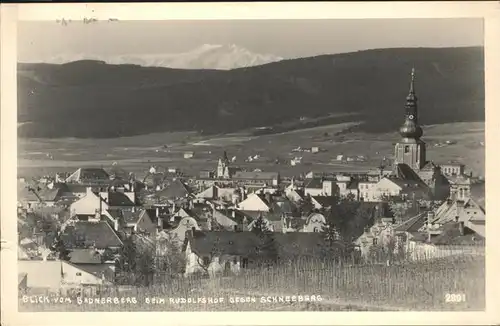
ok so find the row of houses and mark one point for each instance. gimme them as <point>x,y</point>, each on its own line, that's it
<point>102,209</point>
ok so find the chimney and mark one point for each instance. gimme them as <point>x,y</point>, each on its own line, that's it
<point>157,211</point>
<point>191,204</point>
<point>116,225</point>
<point>461,228</point>
<point>233,213</point>
<point>160,221</point>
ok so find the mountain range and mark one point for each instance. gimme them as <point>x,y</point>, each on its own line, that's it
<point>94,99</point>
<point>207,56</point>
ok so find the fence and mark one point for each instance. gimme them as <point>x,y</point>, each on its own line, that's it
<point>407,285</point>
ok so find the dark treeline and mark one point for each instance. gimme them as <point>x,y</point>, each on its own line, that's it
<point>96,100</point>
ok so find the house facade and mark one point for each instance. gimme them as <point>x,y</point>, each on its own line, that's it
<point>89,204</point>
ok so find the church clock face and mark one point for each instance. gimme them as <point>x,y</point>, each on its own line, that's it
<point>411,117</point>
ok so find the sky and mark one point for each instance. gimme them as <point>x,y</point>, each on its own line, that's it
<point>39,40</point>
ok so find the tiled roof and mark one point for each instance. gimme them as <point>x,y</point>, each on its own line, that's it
<point>129,217</point>
<point>459,179</point>
<point>326,201</point>
<point>451,236</point>
<point>119,183</point>
<point>93,174</point>
<point>198,210</point>
<point>72,187</point>
<point>280,205</point>
<point>404,172</point>
<point>116,198</point>
<point>413,224</point>
<point>176,189</point>
<point>85,256</point>
<point>251,214</point>
<point>45,194</point>
<point>449,209</point>
<point>99,270</point>
<point>118,172</point>
<point>287,245</point>
<point>238,217</point>
<point>255,175</point>
<point>99,234</point>
<point>429,166</point>
<point>314,183</point>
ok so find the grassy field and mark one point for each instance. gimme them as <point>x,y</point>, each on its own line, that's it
<point>409,287</point>
<point>139,152</point>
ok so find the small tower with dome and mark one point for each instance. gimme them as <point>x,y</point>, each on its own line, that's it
<point>411,149</point>
<point>223,166</point>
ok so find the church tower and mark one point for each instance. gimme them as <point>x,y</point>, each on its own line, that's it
<point>222,166</point>
<point>411,149</point>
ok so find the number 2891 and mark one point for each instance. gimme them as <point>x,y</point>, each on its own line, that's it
<point>454,297</point>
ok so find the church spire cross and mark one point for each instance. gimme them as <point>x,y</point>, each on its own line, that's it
<point>412,83</point>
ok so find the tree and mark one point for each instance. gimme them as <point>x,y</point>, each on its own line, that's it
<point>266,249</point>
<point>260,225</point>
<point>206,261</point>
<point>127,262</point>
<point>306,205</point>
<point>170,259</point>
<point>59,247</point>
<point>136,264</point>
<point>145,267</point>
<point>350,197</point>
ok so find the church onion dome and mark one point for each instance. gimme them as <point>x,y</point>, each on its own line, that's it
<point>410,130</point>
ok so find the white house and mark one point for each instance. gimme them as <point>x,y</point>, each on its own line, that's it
<point>179,232</point>
<point>254,202</point>
<point>222,252</point>
<point>88,205</point>
<point>320,187</point>
<point>365,189</point>
<point>452,169</point>
<point>467,211</point>
<point>57,275</point>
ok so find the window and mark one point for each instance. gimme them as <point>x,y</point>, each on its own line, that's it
<point>244,263</point>
<point>407,149</point>
<point>375,241</point>
<point>206,261</point>
<point>315,230</point>
<point>78,274</point>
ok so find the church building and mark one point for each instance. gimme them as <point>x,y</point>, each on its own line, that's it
<point>410,161</point>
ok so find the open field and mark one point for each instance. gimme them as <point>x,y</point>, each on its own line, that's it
<point>139,152</point>
<point>412,286</point>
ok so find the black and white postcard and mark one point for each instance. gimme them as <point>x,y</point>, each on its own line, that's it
<point>239,158</point>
